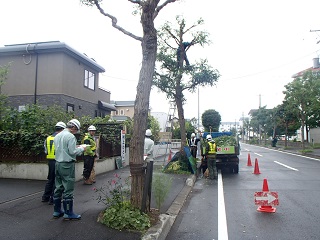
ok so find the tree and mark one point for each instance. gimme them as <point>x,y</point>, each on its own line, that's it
<point>303,93</point>
<point>149,10</point>
<point>154,125</point>
<point>211,120</point>
<point>287,119</point>
<point>172,76</point>
<point>189,129</point>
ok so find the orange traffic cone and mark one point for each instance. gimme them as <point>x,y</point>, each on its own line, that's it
<point>169,158</point>
<point>256,167</point>
<point>249,160</point>
<point>269,209</point>
<point>265,187</point>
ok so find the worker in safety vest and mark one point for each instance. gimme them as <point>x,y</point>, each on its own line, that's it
<point>203,145</point>
<point>193,143</point>
<point>211,153</point>
<point>89,154</point>
<point>49,150</point>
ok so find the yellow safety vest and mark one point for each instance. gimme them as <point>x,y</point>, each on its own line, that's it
<point>50,147</point>
<point>93,147</point>
<point>212,148</point>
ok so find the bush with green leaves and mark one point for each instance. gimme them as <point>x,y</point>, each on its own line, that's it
<point>28,129</point>
<point>120,214</point>
<point>125,216</point>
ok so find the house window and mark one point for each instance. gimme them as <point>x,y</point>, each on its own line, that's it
<point>89,78</point>
<point>70,107</point>
<point>121,112</point>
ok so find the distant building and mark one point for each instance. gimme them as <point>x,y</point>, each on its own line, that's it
<point>228,126</point>
<point>124,110</point>
<point>52,73</point>
<point>315,69</point>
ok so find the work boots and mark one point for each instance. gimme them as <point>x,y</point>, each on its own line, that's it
<point>87,182</point>
<point>68,210</point>
<point>57,212</point>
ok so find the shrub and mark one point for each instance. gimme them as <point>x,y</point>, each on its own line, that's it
<point>120,214</point>
<point>125,216</point>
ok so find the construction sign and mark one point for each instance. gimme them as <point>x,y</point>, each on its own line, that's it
<point>266,198</point>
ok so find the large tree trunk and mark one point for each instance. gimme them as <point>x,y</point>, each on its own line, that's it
<point>149,52</point>
<point>178,100</point>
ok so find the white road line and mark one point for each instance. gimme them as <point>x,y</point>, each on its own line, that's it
<point>19,198</point>
<point>222,220</point>
<point>289,153</point>
<point>294,169</point>
<point>258,154</point>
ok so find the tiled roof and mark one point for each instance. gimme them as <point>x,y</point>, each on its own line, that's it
<point>122,103</point>
<point>300,74</point>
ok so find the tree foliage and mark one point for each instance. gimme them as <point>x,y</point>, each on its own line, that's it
<point>173,77</point>
<point>303,94</point>
<point>211,120</point>
<point>154,126</point>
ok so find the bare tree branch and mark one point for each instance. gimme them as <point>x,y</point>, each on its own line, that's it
<point>114,20</point>
<point>189,29</point>
<point>135,1</point>
<point>172,35</point>
<point>158,9</point>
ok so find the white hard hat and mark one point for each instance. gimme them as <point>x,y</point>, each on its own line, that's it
<point>92,128</point>
<point>148,132</point>
<point>75,122</point>
<point>61,125</point>
<point>209,137</point>
<point>193,135</point>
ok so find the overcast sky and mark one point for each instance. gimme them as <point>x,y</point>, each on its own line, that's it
<point>256,45</point>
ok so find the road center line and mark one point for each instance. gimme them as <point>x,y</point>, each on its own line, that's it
<point>19,198</point>
<point>294,169</point>
<point>258,154</point>
<point>222,220</point>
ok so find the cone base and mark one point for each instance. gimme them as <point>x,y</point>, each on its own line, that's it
<point>268,209</point>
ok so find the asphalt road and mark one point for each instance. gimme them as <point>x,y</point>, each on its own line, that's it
<point>225,208</point>
<point>23,215</point>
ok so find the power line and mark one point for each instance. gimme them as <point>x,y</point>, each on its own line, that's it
<point>235,78</point>
<point>271,69</point>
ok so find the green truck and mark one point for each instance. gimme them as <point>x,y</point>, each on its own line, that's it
<point>228,150</point>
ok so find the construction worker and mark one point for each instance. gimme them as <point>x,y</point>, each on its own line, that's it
<point>66,150</point>
<point>49,150</point>
<point>89,154</point>
<point>203,145</point>
<point>211,153</point>
<point>148,146</point>
<point>193,143</point>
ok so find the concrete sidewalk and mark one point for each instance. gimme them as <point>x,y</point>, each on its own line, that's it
<point>24,216</point>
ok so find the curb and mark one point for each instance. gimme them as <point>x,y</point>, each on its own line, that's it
<point>161,230</point>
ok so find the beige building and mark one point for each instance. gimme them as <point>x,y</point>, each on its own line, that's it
<point>123,108</point>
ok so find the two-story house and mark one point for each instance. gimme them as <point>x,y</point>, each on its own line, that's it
<point>52,73</point>
<point>124,110</point>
